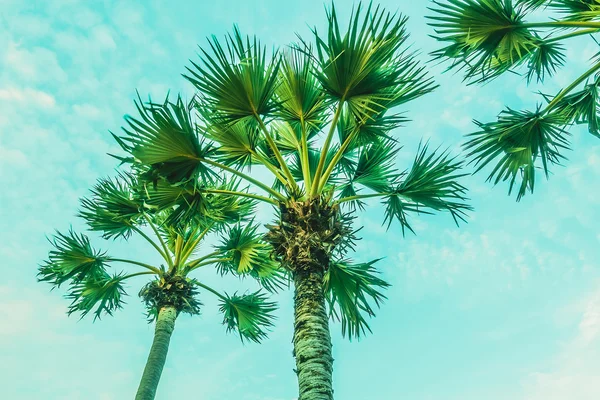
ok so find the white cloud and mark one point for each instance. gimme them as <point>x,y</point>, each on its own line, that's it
<point>34,65</point>
<point>573,373</point>
<point>27,97</point>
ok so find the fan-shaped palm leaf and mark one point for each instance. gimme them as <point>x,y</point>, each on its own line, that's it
<point>518,138</point>
<point>249,314</point>
<point>113,208</point>
<point>165,141</point>
<point>236,81</point>
<point>582,107</point>
<point>73,258</point>
<point>431,184</point>
<point>100,291</point>
<point>486,37</point>
<point>350,290</point>
<point>578,10</point>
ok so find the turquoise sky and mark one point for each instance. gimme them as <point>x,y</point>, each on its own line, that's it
<point>505,307</point>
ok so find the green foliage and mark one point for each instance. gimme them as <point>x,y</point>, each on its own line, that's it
<point>578,10</point>
<point>165,142</point>
<point>350,290</point>
<point>100,291</point>
<point>431,184</point>
<point>486,38</point>
<point>176,291</point>
<point>189,203</point>
<point>365,66</point>
<point>73,258</point>
<point>246,254</point>
<point>544,60</point>
<point>301,97</point>
<point>238,143</point>
<point>490,37</point>
<point>581,107</point>
<point>237,81</point>
<point>249,314</point>
<point>113,208</point>
<point>518,138</point>
<point>532,4</point>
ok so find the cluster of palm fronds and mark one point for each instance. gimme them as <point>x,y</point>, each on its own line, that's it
<point>487,38</point>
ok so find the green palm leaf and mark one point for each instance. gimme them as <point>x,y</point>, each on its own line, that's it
<point>166,142</point>
<point>431,184</point>
<point>72,258</point>
<point>244,246</point>
<point>544,60</point>
<point>375,168</point>
<point>300,93</point>
<point>578,10</point>
<point>532,4</point>
<point>249,314</point>
<point>186,203</point>
<point>582,107</point>
<point>113,208</point>
<point>366,65</point>
<point>236,81</point>
<point>486,38</point>
<point>517,140</point>
<point>100,291</point>
<point>350,290</point>
<point>238,143</point>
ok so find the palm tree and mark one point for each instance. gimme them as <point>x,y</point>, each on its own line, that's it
<point>318,118</point>
<point>120,208</point>
<point>487,38</point>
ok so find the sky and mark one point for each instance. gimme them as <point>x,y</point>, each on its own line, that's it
<point>504,307</point>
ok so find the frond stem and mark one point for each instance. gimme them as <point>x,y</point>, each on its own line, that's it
<point>277,153</point>
<point>572,86</point>
<point>213,291</point>
<point>241,194</point>
<point>317,179</point>
<point>258,183</point>
<point>141,264</point>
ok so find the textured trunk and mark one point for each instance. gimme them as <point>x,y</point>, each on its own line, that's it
<point>165,323</point>
<point>312,341</point>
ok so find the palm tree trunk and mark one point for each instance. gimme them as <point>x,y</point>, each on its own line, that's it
<point>312,341</point>
<point>165,323</point>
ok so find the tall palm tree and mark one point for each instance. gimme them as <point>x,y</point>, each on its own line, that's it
<point>119,208</point>
<point>318,117</point>
<point>487,38</point>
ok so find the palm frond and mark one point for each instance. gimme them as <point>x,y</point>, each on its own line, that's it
<point>578,10</point>
<point>544,60</point>
<point>375,168</point>
<point>300,94</point>
<point>236,80</point>
<point>73,258</point>
<point>532,4</point>
<point>238,143</point>
<point>516,140</point>
<point>432,184</point>
<point>486,38</point>
<point>166,143</point>
<point>245,247</point>
<point>366,65</point>
<point>251,315</point>
<point>350,290</point>
<point>187,203</point>
<point>99,291</point>
<point>113,208</point>
<point>582,107</point>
